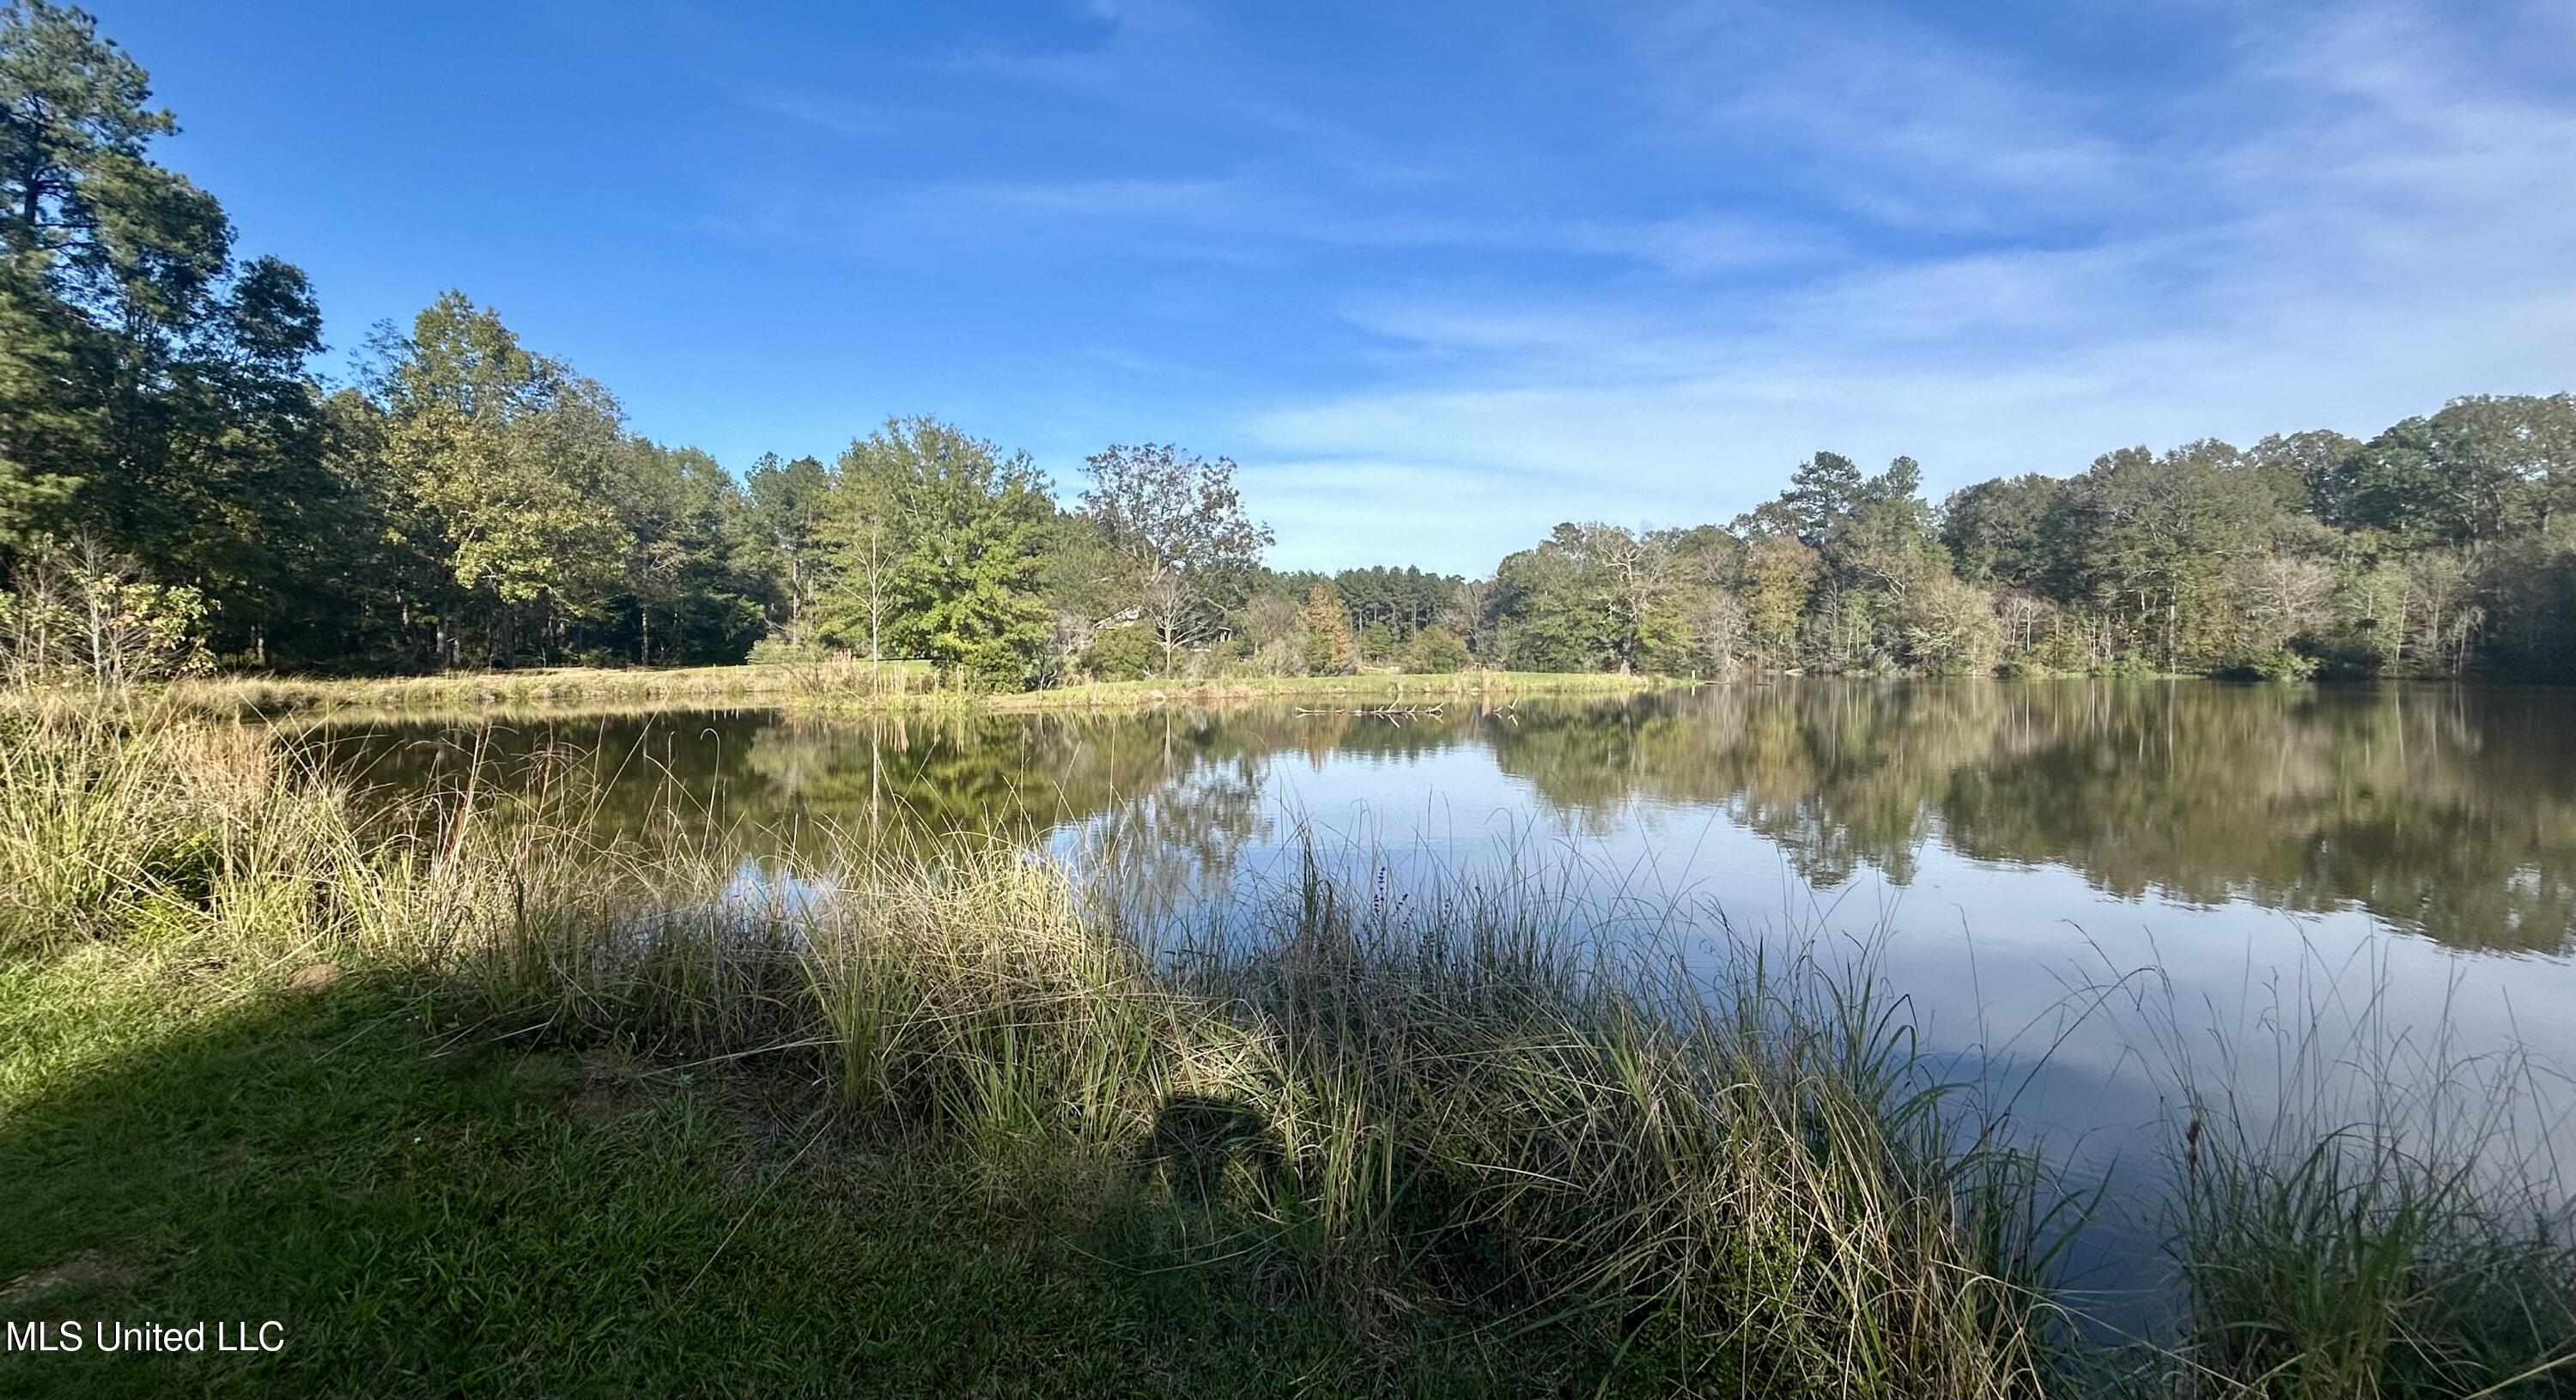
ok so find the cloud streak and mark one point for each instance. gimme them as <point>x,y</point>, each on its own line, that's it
<point>1635,270</point>
<point>2376,236</point>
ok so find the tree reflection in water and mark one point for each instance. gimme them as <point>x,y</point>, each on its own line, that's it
<point>2445,810</point>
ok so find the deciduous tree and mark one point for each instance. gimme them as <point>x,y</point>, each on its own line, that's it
<point>1178,526</point>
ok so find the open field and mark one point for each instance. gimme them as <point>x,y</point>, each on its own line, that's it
<point>474,1104</point>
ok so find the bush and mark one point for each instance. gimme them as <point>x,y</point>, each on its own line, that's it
<point>1233,656</point>
<point>1377,643</point>
<point>2278,664</point>
<point>77,614</point>
<point>1433,650</point>
<point>1120,654</point>
<point>2351,654</point>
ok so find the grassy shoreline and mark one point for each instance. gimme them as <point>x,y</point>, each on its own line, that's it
<point>536,687</point>
<point>840,686</point>
<point>475,1106</point>
<point>1371,690</point>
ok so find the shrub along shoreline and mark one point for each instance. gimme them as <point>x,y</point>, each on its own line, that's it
<point>477,1105</point>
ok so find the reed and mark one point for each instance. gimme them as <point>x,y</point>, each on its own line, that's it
<point>2361,1212</point>
<point>837,678</point>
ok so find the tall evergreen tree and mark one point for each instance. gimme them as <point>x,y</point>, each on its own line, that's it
<point>152,393</point>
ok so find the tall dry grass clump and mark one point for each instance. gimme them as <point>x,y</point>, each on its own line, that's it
<point>2368,1214</point>
<point>116,818</point>
<point>123,818</point>
<point>1743,1177</point>
<point>1743,1185</point>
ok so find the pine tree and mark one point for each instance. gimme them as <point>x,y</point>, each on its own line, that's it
<point>1324,634</point>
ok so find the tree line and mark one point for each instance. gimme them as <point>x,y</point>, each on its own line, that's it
<point>469,501</point>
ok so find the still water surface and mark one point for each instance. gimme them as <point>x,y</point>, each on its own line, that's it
<point>2072,883</point>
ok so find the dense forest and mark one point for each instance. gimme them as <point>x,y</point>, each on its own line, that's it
<point>171,456</point>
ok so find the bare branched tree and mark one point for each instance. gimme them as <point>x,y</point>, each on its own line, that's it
<point>79,613</point>
<point>1176,524</point>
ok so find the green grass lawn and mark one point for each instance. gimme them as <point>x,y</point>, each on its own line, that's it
<point>429,1213</point>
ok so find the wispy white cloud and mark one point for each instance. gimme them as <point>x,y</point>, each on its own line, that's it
<point>2354,222</point>
<point>1253,216</point>
<point>1697,244</point>
<point>1887,116</point>
<point>1162,58</point>
<point>837,116</point>
<point>1783,227</point>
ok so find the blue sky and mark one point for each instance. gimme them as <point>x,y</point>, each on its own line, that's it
<point>1438,275</point>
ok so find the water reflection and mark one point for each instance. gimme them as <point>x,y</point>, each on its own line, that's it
<point>2448,811</point>
<point>2077,887</point>
<point>2443,811</point>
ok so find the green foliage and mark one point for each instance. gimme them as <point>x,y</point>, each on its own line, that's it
<point>1433,650</point>
<point>1121,654</point>
<point>1173,530</point>
<point>2530,610</point>
<point>515,460</point>
<point>1323,637</point>
<point>1948,628</point>
<point>2009,531</point>
<point>2301,469</point>
<point>941,556</point>
<point>682,583</point>
<point>476,502</point>
<point>1823,491</point>
<point>153,393</point>
<point>2159,535</point>
<point>1590,597</point>
<point>783,535</point>
<point>1377,642</point>
<point>1402,600</point>
<point>2482,468</point>
<point>1780,576</point>
<point>74,614</point>
<point>2278,664</point>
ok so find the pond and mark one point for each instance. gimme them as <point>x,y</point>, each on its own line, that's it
<point>2075,885</point>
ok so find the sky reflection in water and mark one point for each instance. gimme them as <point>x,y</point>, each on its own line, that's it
<point>2072,882</point>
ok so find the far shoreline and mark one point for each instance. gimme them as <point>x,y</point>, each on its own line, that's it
<point>844,688</point>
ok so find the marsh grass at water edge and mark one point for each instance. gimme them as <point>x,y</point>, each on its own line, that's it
<point>1424,1131</point>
